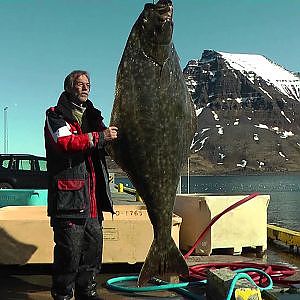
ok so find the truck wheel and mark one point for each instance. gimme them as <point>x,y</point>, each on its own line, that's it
<point>5,185</point>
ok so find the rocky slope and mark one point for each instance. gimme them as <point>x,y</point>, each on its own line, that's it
<point>248,113</point>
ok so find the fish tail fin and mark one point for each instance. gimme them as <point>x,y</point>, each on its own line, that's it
<point>162,263</point>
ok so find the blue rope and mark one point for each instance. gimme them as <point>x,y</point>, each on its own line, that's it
<point>268,287</point>
<point>180,287</point>
<point>240,274</point>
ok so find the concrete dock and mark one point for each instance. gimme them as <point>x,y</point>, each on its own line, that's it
<point>33,282</point>
<point>288,237</point>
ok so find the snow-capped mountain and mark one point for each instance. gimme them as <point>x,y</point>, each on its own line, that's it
<point>257,66</point>
<point>248,110</point>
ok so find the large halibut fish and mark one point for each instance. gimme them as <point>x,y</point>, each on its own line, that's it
<point>155,117</point>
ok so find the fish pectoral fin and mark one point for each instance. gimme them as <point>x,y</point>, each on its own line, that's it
<point>162,263</point>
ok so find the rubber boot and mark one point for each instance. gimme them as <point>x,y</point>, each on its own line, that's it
<point>57,296</point>
<point>89,293</point>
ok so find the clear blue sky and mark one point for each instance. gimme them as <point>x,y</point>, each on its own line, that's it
<point>43,40</point>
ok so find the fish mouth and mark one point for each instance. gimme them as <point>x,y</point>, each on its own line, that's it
<point>163,8</point>
<point>164,3</point>
<point>159,15</point>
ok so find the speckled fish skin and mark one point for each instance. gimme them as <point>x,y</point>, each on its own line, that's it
<point>156,123</point>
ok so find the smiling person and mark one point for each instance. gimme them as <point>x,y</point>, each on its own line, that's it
<point>78,188</point>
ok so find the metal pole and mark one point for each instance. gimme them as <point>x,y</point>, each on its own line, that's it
<point>178,191</point>
<point>188,175</point>
<point>5,130</point>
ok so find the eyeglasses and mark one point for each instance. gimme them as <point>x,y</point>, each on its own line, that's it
<point>81,84</point>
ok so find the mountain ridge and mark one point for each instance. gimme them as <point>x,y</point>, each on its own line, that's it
<point>248,114</point>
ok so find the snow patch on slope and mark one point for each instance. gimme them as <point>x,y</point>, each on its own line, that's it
<point>253,64</point>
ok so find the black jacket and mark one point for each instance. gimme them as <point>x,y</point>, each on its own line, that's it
<point>78,176</point>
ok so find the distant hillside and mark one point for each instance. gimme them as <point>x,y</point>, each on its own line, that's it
<point>248,113</point>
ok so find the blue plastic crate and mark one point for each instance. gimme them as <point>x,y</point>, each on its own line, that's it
<point>22,197</point>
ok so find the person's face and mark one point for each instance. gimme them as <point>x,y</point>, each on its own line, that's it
<point>81,88</point>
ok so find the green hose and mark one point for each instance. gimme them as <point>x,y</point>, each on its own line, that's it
<point>180,287</point>
<point>240,274</point>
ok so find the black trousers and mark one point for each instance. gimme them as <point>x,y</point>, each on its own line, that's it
<point>77,255</point>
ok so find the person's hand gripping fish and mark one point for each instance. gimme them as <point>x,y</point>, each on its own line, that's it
<point>110,133</point>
